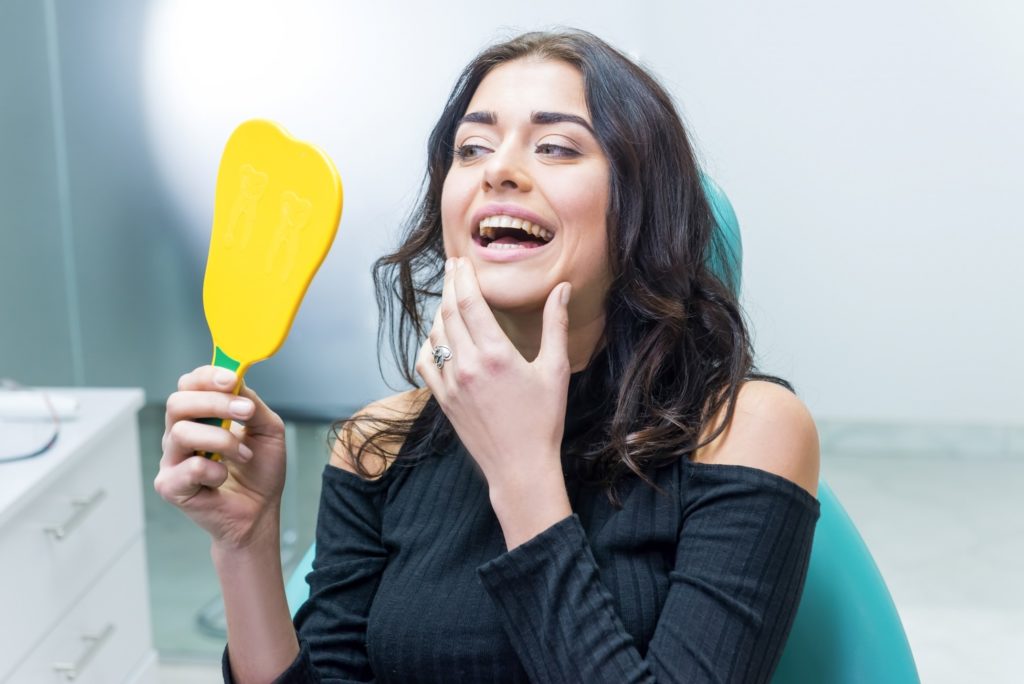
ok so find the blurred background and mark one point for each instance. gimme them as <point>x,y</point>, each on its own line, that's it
<point>872,153</point>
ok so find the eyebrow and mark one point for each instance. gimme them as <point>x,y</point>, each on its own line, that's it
<point>542,118</point>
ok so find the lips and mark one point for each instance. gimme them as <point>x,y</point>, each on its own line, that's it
<point>497,226</point>
<point>513,211</point>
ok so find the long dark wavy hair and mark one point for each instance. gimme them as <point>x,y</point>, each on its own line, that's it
<point>676,349</point>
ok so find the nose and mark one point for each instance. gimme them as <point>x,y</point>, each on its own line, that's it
<point>505,169</point>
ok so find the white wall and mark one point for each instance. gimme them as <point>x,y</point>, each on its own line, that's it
<point>872,152</point>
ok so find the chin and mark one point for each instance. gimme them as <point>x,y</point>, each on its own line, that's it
<point>507,300</point>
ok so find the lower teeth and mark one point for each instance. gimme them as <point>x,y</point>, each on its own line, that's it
<point>495,245</point>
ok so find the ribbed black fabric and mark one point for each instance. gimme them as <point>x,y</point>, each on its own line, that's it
<point>413,583</point>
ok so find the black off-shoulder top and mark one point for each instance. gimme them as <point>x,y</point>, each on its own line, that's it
<point>412,580</point>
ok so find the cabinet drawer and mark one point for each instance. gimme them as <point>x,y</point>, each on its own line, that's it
<point>57,545</point>
<point>146,672</point>
<point>103,637</point>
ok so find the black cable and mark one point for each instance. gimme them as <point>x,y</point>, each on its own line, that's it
<point>11,385</point>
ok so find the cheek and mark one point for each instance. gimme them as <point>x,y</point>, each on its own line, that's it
<point>447,199</point>
<point>582,199</point>
<point>589,212</point>
<point>595,258</point>
<point>593,246</point>
<point>450,213</point>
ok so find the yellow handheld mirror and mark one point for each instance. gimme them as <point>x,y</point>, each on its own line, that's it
<point>275,215</point>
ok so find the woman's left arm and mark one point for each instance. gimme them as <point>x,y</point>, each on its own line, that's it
<point>741,561</point>
<point>742,554</point>
<point>509,413</point>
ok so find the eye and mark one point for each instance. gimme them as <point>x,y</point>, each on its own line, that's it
<point>469,152</point>
<point>556,150</point>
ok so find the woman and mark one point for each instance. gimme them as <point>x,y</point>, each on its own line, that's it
<point>593,485</point>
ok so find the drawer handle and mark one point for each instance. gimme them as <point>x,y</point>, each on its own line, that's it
<point>83,507</point>
<point>95,643</point>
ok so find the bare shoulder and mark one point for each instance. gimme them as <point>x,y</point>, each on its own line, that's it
<point>771,430</point>
<point>403,405</point>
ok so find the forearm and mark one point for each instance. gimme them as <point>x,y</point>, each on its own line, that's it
<point>549,587</point>
<point>260,632</point>
<point>524,510</point>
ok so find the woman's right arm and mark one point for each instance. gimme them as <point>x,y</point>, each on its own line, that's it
<point>237,501</point>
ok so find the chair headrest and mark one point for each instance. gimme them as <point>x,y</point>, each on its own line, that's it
<point>726,250</point>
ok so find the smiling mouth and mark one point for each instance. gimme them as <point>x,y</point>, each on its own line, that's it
<point>506,232</point>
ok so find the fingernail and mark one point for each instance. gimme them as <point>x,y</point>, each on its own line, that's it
<point>447,265</point>
<point>566,291</point>
<point>458,262</point>
<point>240,407</point>
<point>244,451</point>
<point>224,377</point>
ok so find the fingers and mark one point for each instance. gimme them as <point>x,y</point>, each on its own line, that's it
<point>190,405</point>
<point>208,378</point>
<point>474,312</point>
<point>554,339</point>
<point>182,482</point>
<point>262,419</point>
<point>425,365</point>
<point>234,400</point>
<point>428,370</point>
<point>185,437</point>
<point>452,325</point>
<point>206,392</point>
<point>438,333</point>
<point>205,379</point>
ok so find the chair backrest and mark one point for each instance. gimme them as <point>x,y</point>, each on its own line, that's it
<point>846,630</point>
<point>296,590</point>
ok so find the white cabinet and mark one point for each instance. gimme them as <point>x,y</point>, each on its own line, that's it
<point>74,602</point>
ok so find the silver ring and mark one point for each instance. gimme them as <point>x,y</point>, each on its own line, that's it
<point>441,354</point>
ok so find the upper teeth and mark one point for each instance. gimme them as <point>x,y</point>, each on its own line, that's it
<point>488,225</point>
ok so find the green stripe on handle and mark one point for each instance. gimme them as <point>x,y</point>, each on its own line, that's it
<point>221,360</point>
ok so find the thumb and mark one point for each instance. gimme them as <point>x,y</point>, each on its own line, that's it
<point>263,420</point>
<point>554,339</point>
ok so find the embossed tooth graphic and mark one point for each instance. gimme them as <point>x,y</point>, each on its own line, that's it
<point>243,210</point>
<point>287,236</point>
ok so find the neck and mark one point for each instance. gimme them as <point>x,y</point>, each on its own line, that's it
<point>524,330</point>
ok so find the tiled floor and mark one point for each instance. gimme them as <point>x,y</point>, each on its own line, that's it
<point>948,535</point>
<point>946,528</point>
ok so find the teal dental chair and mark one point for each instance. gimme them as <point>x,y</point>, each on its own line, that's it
<point>846,630</point>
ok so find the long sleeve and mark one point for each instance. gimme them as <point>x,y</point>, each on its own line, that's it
<point>740,565</point>
<point>350,557</point>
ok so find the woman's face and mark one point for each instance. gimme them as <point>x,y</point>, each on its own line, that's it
<point>525,150</point>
